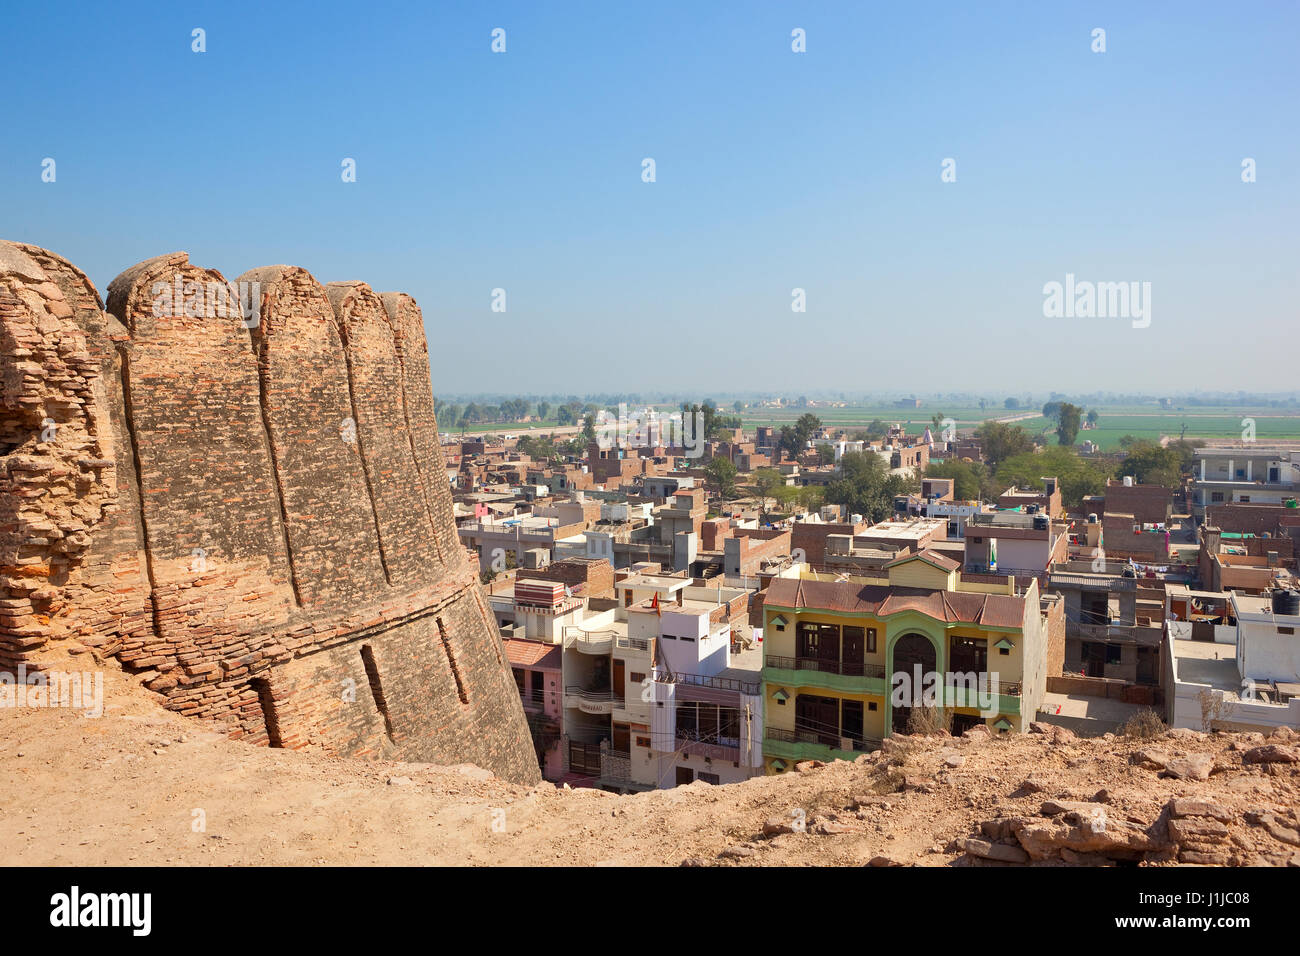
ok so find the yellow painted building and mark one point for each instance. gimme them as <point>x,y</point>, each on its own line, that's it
<point>844,659</point>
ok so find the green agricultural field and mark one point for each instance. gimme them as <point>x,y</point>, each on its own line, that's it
<point>1114,422</point>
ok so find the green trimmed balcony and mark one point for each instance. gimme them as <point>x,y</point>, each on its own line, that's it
<point>796,745</point>
<point>827,675</point>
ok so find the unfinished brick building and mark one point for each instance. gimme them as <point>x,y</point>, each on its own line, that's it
<point>249,510</point>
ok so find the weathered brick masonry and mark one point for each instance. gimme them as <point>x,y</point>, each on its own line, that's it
<point>252,513</point>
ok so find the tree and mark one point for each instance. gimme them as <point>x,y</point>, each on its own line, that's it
<point>1068,420</point>
<point>722,473</point>
<point>1077,476</point>
<point>766,482</point>
<point>865,486</point>
<point>1052,410</point>
<point>1186,451</point>
<point>1150,463</point>
<point>1011,403</point>
<point>825,454</point>
<point>1092,416</point>
<point>806,424</point>
<point>542,409</point>
<point>589,429</point>
<point>877,429</point>
<point>810,498</point>
<point>1001,441</point>
<point>715,425</point>
<point>971,480</point>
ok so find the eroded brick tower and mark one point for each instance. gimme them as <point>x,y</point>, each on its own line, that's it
<point>249,509</point>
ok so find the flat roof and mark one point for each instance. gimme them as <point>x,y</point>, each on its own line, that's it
<point>665,581</point>
<point>1207,662</point>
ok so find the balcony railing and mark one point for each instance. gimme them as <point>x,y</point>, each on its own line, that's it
<point>834,741</point>
<point>597,696</point>
<point>719,683</point>
<point>600,642</point>
<point>999,571</point>
<point>844,668</point>
<point>983,684</point>
<point>696,743</point>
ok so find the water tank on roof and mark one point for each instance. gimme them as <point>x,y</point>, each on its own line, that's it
<point>1041,523</point>
<point>1130,573</point>
<point>1128,481</point>
<point>1031,509</point>
<point>1092,517</point>
<point>1286,601</point>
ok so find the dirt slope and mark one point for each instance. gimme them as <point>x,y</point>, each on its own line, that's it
<point>124,788</point>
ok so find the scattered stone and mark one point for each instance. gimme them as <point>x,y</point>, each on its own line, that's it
<point>832,828</point>
<point>883,860</point>
<point>954,760</point>
<point>995,851</point>
<point>1084,859</point>
<point>737,853</point>
<point>803,766</point>
<point>1192,807</point>
<point>1197,830</point>
<point>400,781</point>
<point>775,826</point>
<point>1150,759</point>
<point>918,783</point>
<point>1034,784</point>
<point>871,800</point>
<point>1271,753</point>
<point>1274,827</point>
<point>1101,796</point>
<point>1194,767</point>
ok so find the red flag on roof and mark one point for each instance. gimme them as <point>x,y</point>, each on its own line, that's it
<point>655,604</point>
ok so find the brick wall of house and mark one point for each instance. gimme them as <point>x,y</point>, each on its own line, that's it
<point>596,575</point>
<point>1150,504</point>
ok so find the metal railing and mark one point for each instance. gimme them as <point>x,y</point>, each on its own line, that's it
<point>1002,572</point>
<point>802,736</point>
<point>595,696</point>
<point>719,683</point>
<point>845,669</point>
<point>591,644</point>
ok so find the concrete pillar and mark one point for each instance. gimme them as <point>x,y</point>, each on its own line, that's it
<point>1202,469</point>
<point>1249,468</point>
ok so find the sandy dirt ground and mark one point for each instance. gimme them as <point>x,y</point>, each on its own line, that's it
<point>142,786</point>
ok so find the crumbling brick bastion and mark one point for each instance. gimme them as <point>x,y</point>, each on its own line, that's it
<point>237,490</point>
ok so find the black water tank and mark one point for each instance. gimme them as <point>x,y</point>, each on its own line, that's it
<point>1041,522</point>
<point>1286,601</point>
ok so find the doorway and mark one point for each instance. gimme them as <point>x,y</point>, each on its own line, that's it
<point>914,656</point>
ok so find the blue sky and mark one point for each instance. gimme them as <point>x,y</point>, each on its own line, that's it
<point>775,170</point>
